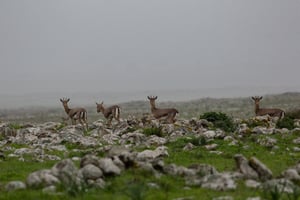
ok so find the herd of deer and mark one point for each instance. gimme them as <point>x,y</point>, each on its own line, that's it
<point>111,112</point>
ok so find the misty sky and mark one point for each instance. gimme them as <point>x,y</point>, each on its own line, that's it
<point>100,45</point>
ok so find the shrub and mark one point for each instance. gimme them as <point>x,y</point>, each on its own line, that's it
<point>286,122</point>
<point>254,123</point>
<point>220,120</point>
<point>153,131</point>
<point>15,126</point>
<point>295,114</point>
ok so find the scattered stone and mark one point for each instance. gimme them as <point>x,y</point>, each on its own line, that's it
<point>189,146</point>
<point>148,155</point>
<point>252,184</point>
<point>50,189</point>
<point>15,185</point>
<point>264,173</point>
<point>244,167</point>
<point>267,142</point>
<point>41,178</point>
<point>211,146</point>
<point>291,174</point>
<point>210,134</point>
<point>109,167</point>
<point>92,172</point>
<point>223,198</point>
<point>220,182</point>
<point>280,186</point>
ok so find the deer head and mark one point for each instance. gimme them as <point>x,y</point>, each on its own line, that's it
<point>152,100</point>
<point>100,107</point>
<point>257,99</point>
<point>65,100</point>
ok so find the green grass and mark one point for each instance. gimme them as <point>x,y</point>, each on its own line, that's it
<point>133,183</point>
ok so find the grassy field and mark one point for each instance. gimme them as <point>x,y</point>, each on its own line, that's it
<point>136,184</point>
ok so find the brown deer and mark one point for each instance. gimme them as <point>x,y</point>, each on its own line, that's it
<point>169,113</point>
<point>273,112</point>
<point>74,114</point>
<point>110,112</point>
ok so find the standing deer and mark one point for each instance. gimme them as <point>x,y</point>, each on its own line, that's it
<point>273,112</point>
<point>110,112</point>
<point>74,114</point>
<point>169,113</point>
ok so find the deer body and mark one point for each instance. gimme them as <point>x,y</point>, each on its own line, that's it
<point>110,112</point>
<point>75,114</point>
<point>273,112</point>
<point>158,113</point>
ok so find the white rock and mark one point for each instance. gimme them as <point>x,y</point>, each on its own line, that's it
<point>15,185</point>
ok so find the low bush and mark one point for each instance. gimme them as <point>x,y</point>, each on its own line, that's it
<point>153,131</point>
<point>286,122</point>
<point>220,120</point>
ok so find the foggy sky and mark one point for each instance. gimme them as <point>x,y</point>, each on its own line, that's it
<point>75,46</point>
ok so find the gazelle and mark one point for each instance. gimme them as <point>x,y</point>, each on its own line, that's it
<point>110,112</point>
<point>169,113</point>
<point>273,112</point>
<point>74,114</point>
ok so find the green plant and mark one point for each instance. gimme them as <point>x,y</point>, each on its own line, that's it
<point>286,122</point>
<point>136,190</point>
<point>15,126</point>
<point>295,114</point>
<point>153,131</point>
<point>254,123</point>
<point>220,120</point>
<point>273,193</point>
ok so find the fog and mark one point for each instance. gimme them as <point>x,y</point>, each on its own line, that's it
<point>123,50</point>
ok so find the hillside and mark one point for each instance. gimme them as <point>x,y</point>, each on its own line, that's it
<point>236,107</point>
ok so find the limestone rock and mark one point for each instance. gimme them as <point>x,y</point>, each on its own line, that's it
<point>15,185</point>
<point>263,171</point>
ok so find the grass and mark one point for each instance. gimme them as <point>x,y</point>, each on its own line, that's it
<point>133,183</point>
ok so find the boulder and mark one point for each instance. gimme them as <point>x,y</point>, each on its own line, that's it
<point>262,170</point>
<point>92,172</point>
<point>244,167</point>
<point>41,178</point>
<point>15,185</point>
<point>148,155</point>
<point>109,167</point>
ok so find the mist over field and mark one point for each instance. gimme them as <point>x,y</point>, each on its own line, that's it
<point>119,51</point>
<point>89,98</point>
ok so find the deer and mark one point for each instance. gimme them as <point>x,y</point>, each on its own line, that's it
<point>158,113</point>
<point>74,114</point>
<point>110,112</point>
<point>273,112</point>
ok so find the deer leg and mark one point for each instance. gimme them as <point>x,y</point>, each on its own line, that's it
<point>87,125</point>
<point>170,118</point>
<point>117,118</point>
<point>109,119</point>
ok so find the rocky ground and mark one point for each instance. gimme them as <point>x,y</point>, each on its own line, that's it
<point>109,151</point>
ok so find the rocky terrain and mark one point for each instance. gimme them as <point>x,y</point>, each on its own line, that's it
<point>91,159</point>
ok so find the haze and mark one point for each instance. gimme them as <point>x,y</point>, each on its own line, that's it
<point>123,50</point>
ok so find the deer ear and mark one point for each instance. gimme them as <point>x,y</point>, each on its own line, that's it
<point>260,98</point>
<point>155,98</point>
<point>102,103</point>
<point>253,98</point>
<point>148,97</point>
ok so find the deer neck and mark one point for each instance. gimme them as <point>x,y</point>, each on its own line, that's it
<point>152,104</point>
<point>256,108</point>
<point>103,110</point>
<point>67,109</point>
